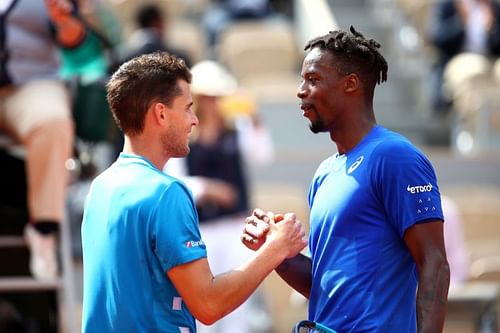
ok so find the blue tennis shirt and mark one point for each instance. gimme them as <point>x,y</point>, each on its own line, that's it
<point>362,202</point>
<point>138,223</point>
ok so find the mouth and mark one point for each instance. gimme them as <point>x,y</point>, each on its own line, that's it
<point>305,107</point>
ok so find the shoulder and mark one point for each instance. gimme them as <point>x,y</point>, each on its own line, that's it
<point>156,184</point>
<point>392,144</point>
<point>174,185</point>
<point>172,196</point>
<point>394,151</point>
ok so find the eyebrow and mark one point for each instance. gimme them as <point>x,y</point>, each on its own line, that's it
<point>312,73</point>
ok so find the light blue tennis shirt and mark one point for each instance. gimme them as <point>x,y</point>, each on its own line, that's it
<point>138,223</point>
<point>362,202</point>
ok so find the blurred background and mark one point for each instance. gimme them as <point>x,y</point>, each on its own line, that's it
<point>263,51</point>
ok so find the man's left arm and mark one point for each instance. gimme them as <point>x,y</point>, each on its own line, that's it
<point>426,244</point>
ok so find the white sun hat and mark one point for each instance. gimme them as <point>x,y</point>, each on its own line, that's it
<point>211,79</point>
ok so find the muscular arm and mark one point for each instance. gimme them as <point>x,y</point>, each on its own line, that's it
<point>297,273</point>
<point>426,245</point>
<point>209,297</point>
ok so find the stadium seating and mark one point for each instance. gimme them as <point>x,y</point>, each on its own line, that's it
<point>262,55</point>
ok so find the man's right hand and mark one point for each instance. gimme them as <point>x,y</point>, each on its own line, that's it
<point>288,235</point>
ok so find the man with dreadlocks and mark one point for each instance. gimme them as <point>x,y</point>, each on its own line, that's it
<point>377,259</point>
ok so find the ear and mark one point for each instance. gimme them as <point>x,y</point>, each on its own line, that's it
<point>351,83</point>
<point>159,111</point>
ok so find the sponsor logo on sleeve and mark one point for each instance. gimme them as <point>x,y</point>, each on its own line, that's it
<point>419,188</point>
<point>192,243</point>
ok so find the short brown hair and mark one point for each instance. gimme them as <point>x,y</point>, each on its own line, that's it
<point>141,81</point>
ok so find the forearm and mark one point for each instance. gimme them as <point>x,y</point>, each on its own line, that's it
<point>229,290</point>
<point>432,297</point>
<point>297,272</point>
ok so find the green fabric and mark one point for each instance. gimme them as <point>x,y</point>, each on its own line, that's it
<point>87,61</point>
<point>93,119</point>
<point>87,65</point>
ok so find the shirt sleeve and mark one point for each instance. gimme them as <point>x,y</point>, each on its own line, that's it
<point>175,233</point>
<point>407,186</point>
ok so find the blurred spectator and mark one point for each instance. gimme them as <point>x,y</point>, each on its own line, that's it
<point>457,27</point>
<point>86,67</point>
<point>35,110</point>
<point>152,25</point>
<point>226,139</point>
<point>224,12</point>
<point>454,242</point>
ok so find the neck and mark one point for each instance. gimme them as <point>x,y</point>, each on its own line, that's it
<point>349,135</point>
<point>141,146</point>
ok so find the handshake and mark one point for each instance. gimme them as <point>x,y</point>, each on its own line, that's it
<point>282,231</point>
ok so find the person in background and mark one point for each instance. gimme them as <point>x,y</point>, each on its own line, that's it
<point>145,266</point>
<point>226,141</point>
<point>377,258</point>
<point>150,35</point>
<point>35,111</point>
<point>458,27</point>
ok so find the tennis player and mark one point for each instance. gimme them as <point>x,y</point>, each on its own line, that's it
<point>144,261</point>
<point>377,258</point>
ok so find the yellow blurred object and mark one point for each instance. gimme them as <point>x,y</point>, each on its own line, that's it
<point>238,104</point>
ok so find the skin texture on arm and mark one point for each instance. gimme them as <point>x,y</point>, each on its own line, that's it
<point>426,245</point>
<point>210,298</point>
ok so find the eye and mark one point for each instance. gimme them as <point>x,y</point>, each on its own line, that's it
<point>311,79</point>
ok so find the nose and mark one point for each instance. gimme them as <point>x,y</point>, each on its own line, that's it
<point>195,121</point>
<point>301,91</point>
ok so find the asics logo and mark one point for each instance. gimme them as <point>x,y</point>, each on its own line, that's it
<point>356,164</point>
<point>419,188</point>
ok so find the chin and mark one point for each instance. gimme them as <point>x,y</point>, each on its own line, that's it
<point>317,127</point>
<point>186,151</point>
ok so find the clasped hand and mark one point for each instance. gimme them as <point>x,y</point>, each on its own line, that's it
<point>262,227</point>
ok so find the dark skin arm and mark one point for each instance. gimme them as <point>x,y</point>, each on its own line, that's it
<point>426,245</point>
<point>425,242</point>
<point>297,273</point>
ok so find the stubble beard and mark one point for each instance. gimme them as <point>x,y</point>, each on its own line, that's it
<point>174,146</point>
<point>317,125</point>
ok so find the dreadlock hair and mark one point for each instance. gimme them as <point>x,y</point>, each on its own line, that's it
<point>354,54</point>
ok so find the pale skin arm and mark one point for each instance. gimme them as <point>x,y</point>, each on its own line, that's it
<point>295,271</point>
<point>426,245</point>
<point>209,297</point>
